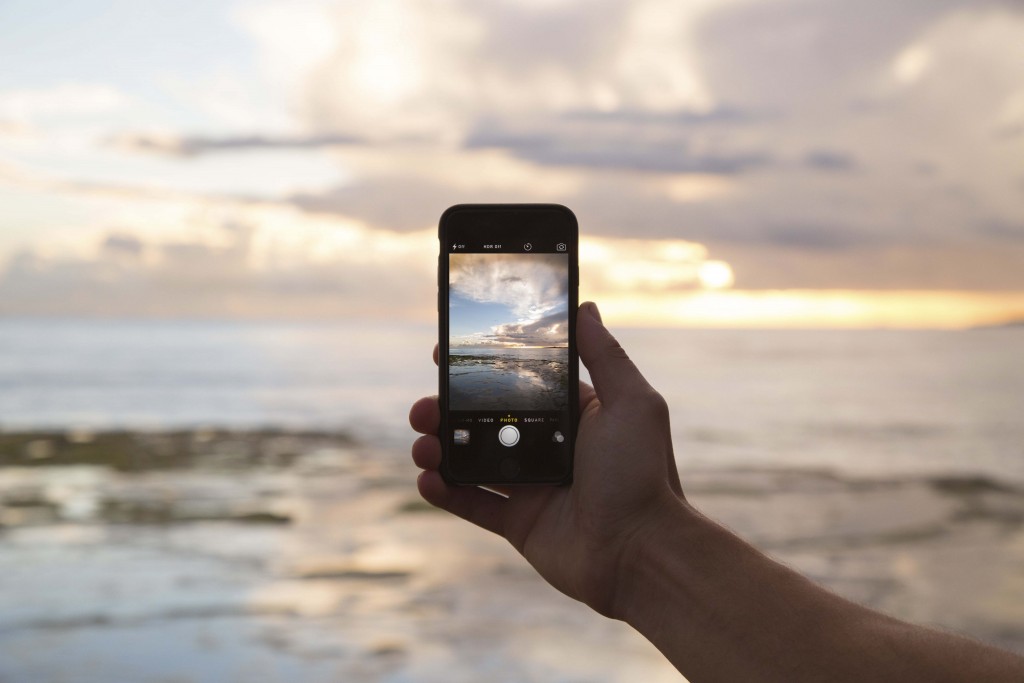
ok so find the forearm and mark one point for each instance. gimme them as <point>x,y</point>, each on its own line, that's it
<point>719,610</point>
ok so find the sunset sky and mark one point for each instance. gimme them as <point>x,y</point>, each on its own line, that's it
<point>731,162</point>
<point>508,300</point>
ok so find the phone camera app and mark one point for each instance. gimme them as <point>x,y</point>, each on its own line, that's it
<point>461,437</point>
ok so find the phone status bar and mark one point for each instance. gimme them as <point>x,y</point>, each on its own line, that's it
<point>506,247</point>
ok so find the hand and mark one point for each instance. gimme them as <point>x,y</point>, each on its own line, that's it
<point>580,537</point>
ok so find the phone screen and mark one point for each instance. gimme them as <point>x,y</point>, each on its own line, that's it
<point>509,364</point>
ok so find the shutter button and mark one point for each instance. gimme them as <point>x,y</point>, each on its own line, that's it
<point>508,436</point>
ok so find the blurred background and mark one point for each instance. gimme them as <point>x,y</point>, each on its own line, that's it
<point>804,219</point>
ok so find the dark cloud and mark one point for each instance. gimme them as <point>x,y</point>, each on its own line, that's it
<point>551,330</point>
<point>633,147</point>
<point>797,208</point>
<point>191,146</point>
<point>1004,231</point>
<point>122,243</point>
<point>817,236</point>
<point>394,202</point>
<point>666,156</point>
<point>830,160</point>
<point>722,115</point>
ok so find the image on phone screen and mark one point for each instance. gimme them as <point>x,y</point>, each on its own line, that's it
<point>509,370</point>
<point>508,344</point>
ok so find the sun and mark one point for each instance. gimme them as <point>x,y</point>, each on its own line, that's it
<point>715,275</point>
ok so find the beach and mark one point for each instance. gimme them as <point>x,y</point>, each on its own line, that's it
<point>235,501</point>
<point>270,556</point>
<point>508,379</point>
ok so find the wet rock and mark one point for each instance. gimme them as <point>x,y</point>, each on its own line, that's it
<point>142,451</point>
<point>39,449</point>
<point>970,485</point>
<point>180,511</point>
<point>414,505</point>
<point>25,497</point>
<point>344,568</point>
<point>388,649</point>
<point>262,517</point>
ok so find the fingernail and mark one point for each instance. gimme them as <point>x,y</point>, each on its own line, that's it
<point>592,309</point>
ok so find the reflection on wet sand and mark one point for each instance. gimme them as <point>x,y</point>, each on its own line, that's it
<point>508,381</point>
<point>326,566</point>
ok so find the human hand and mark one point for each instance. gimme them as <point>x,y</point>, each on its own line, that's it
<point>579,537</point>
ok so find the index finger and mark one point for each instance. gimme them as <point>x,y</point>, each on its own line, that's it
<point>425,415</point>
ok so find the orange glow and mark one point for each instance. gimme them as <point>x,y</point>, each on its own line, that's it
<point>715,275</point>
<point>812,308</point>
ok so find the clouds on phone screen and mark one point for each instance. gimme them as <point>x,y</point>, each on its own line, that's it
<point>509,299</point>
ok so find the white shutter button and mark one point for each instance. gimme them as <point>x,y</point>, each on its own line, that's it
<point>508,436</point>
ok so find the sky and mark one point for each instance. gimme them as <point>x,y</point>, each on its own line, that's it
<point>765,163</point>
<point>508,300</point>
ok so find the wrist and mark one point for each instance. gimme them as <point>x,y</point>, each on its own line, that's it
<point>644,558</point>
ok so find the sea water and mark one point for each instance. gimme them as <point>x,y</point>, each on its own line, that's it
<point>865,401</point>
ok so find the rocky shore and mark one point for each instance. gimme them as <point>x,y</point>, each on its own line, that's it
<point>492,382</point>
<point>211,555</point>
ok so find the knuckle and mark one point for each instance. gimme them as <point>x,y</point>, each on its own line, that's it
<point>615,350</point>
<point>656,404</point>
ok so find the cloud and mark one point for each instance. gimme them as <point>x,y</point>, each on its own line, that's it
<point>253,266</point>
<point>189,146</point>
<point>392,202</point>
<point>793,54</point>
<point>531,286</point>
<point>719,115</point>
<point>434,68</point>
<point>976,267</point>
<point>61,102</point>
<point>830,160</point>
<point>629,149</point>
<point>551,330</point>
<point>411,186</point>
<point>122,243</point>
<point>821,153</point>
<point>265,262</point>
<point>803,142</point>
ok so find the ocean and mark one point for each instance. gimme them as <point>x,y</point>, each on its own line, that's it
<point>871,402</point>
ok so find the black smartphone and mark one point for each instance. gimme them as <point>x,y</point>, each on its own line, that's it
<point>508,282</point>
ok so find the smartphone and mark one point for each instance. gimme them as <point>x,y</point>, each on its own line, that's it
<point>508,280</point>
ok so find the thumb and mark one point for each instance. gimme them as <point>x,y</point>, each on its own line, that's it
<point>611,369</point>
